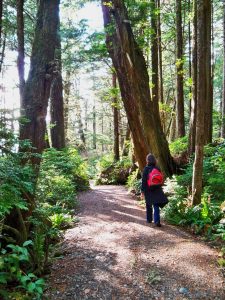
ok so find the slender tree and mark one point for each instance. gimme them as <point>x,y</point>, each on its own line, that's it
<point>67,92</point>
<point>202,65</point>
<point>223,97</point>
<point>154,59</point>
<point>133,78</point>
<point>208,80</point>
<point>20,39</point>
<point>179,72</point>
<point>161,95</point>
<point>192,131</point>
<point>1,12</point>
<point>115,121</point>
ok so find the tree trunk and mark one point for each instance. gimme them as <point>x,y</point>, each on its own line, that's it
<point>125,150</point>
<point>67,91</point>
<point>2,54</point>
<point>37,87</point>
<point>161,95</point>
<point>1,12</point>
<point>179,73</point>
<point>133,79</point>
<point>94,127</point>
<point>154,60</point>
<point>208,79</point>
<point>192,131</point>
<point>34,105</point>
<point>115,122</point>
<point>20,39</point>
<point>56,104</point>
<point>202,65</point>
<point>223,97</point>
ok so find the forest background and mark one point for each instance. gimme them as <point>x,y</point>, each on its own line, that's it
<point>150,79</point>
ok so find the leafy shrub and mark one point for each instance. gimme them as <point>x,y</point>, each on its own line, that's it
<point>14,181</point>
<point>62,174</point>
<point>61,221</point>
<point>203,218</point>
<point>111,172</point>
<point>179,146</point>
<point>14,260</point>
<point>133,182</point>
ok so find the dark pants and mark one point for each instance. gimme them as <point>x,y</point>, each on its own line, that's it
<point>149,213</point>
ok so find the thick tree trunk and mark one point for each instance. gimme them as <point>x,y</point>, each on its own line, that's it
<point>223,97</point>
<point>192,131</point>
<point>34,105</point>
<point>37,87</point>
<point>133,79</point>
<point>179,73</point>
<point>57,113</point>
<point>202,56</point>
<point>56,103</point>
<point>20,39</point>
<point>115,122</point>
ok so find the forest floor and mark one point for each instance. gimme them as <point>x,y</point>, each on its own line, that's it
<point>113,254</point>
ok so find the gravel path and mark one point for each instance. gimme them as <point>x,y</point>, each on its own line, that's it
<point>112,254</point>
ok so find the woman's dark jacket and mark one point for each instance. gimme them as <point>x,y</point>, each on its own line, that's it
<point>154,194</point>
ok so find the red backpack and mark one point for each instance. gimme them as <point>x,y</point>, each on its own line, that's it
<point>155,177</point>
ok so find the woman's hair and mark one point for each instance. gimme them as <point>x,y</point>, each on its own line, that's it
<point>150,159</point>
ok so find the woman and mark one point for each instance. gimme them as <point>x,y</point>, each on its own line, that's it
<point>154,195</point>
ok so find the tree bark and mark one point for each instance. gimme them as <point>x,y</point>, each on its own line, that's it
<point>67,91</point>
<point>208,79</point>
<point>161,94</point>
<point>20,40</point>
<point>179,73</point>
<point>37,87</point>
<point>2,54</point>
<point>202,65</point>
<point>192,131</point>
<point>115,122</point>
<point>125,150</point>
<point>56,103</point>
<point>1,13</point>
<point>94,140</point>
<point>154,60</point>
<point>133,79</point>
<point>223,97</point>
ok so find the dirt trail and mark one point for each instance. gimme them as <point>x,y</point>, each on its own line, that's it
<point>112,254</point>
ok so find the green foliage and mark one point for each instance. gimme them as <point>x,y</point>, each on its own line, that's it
<point>179,146</point>
<point>13,262</point>
<point>204,218</point>
<point>62,174</point>
<point>133,182</point>
<point>110,172</point>
<point>61,221</point>
<point>14,181</point>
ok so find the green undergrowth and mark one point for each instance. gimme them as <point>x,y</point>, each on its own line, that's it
<point>207,218</point>
<point>62,175</point>
<point>113,172</point>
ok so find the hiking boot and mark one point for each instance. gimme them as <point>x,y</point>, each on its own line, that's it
<point>158,224</point>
